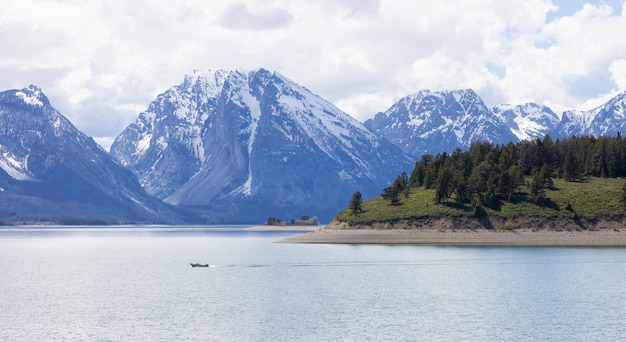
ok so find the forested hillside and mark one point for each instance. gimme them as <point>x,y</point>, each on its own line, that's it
<point>537,178</point>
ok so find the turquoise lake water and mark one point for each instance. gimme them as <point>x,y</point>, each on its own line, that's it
<point>137,285</point>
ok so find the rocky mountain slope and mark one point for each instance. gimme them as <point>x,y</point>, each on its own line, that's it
<point>248,145</point>
<point>527,121</point>
<point>607,119</point>
<point>51,172</point>
<point>432,122</point>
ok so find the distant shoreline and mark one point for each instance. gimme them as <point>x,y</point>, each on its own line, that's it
<point>284,228</point>
<point>217,227</point>
<point>442,232</point>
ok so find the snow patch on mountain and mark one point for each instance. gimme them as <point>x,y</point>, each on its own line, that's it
<point>143,145</point>
<point>527,121</point>
<point>254,108</point>
<point>15,167</point>
<point>31,97</point>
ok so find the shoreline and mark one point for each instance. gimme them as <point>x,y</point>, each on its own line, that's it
<point>444,231</point>
<point>289,228</point>
<point>464,237</point>
<point>113,228</point>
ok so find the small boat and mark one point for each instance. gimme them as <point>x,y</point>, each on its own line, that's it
<point>198,265</point>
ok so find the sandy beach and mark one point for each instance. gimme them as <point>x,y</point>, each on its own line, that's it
<point>465,237</point>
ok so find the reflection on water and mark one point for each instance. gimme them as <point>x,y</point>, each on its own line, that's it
<point>136,284</point>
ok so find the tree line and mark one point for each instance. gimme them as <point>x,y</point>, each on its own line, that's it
<point>303,221</point>
<point>486,174</point>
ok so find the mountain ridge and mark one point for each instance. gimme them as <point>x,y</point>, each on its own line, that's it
<point>257,145</point>
<point>430,122</point>
<point>51,171</point>
<point>445,119</point>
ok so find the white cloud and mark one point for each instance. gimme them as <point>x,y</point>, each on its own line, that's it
<point>73,84</point>
<point>364,102</point>
<point>618,73</point>
<point>102,62</point>
<point>238,16</point>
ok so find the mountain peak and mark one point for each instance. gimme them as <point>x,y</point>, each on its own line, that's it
<point>250,144</point>
<point>53,172</point>
<point>437,121</point>
<point>211,81</point>
<point>607,119</point>
<point>466,91</point>
<point>33,96</point>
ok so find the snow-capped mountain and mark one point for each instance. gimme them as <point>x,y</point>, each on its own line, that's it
<point>608,119</point>
<point>51,172</point>
<point>432,122</point>
<point>527,121</point>
<point>253,144</point>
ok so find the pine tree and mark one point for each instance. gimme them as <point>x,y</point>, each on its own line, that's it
<point>444,186</point>
<point>547,176</point>
<point>355,203</point>
<point>537,187</point>
<point>478,180</point>
<point>570,168</point>
<point>419,171</point>
<point>506,185</point>
<point>393,192</point>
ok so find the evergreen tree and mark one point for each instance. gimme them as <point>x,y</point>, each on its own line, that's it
<point>393,192</point>
<point>419,171</point>
<point>537,186</point>
<point>547,176</point>
<point>490,197</point>
<point>432,170</point>
<point>506,185</point>
<point>549,151</point>
<point>444,186</point>
<point>462,191</point>
<point>508,157</point>
<point>394,196</point>
<point>477,182</point>
<point>404,179</point>
<point>355,203</point>
<point>478,151</point>
<point>525,156</point>
<point>570,168</point>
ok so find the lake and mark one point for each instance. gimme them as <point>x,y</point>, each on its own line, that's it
<point>133,284</point>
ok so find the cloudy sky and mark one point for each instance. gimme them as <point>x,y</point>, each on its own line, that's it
<point>101,62</point>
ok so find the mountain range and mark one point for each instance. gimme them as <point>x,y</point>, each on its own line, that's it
<point>242,146</point>
<point>434,122</point>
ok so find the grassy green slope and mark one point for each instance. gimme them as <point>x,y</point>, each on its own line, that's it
<point>591,199</point>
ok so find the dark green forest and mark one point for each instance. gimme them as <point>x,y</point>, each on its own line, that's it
<point>488,174</point>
